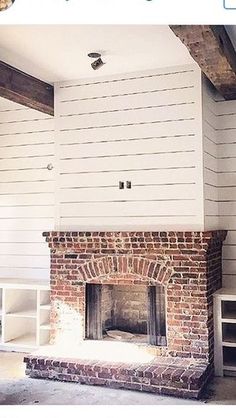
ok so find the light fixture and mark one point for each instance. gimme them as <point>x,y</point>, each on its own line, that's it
<point>98,63</point>
<point>5,4</point>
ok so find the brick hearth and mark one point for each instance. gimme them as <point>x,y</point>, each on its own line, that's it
<point>164,376</point>
<point>186,264</point>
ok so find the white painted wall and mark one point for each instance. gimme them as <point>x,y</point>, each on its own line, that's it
<point>163,130</point>
<point>219,127</point>
<point>143,127</point>
<point>210,156</point>
<point>26,191</point>
<point>226,126</point>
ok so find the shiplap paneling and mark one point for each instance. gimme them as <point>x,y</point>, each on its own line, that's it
<point>210,157</point>
<point>142,127</point>
<point>27,191</point>
<point>152,129</point>
<point>219,127</point>
<point>226,128</point>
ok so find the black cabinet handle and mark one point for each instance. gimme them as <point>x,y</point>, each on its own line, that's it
<point>127,184</point>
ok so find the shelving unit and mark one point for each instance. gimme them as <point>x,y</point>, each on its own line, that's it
<point>225,332</point>
<point>24,315</point>
<point>44,317</point>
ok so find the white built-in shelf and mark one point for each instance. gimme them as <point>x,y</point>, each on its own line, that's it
<point>46,307</point>
<point>24,314</point>
<point>45,326</point>
<point>24,284</point>
<point>228,320</point>
<point>230,368</point>
<point>225,331</point>
<point>226,293</point>
<point>228,343</point>
<point>27,340</point>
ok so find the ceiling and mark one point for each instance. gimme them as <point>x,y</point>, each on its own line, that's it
<point>59,52</point>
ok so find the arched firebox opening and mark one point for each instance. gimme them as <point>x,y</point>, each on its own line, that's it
<point>134,313</point>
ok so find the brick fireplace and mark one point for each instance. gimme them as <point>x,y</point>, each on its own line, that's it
<point>154,284</point>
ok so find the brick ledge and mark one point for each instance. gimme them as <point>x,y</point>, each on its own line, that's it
<point>164,376</point>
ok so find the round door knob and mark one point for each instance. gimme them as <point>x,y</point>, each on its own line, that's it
<point>50,167</point>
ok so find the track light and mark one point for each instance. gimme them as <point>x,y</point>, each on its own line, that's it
<point>98,63</point>
<point>5,4</point>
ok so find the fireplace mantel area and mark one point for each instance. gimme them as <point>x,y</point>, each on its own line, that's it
<point>155,288</point>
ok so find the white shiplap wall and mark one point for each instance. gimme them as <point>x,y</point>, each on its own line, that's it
<point>219,127</point>
<point>226,128</point>
<point>26,191</point>
<point>142,127</point>
<point>210,157</point>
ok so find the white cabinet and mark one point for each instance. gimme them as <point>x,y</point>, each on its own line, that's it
<point>24,315</point>
<point>225,332</point>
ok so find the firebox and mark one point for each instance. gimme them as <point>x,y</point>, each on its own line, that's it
<point>129,313</point>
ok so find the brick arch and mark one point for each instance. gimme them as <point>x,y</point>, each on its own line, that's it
<point>125,268</point>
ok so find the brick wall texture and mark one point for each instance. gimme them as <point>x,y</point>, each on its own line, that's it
<point>187,264</point>
<point>124,308</point>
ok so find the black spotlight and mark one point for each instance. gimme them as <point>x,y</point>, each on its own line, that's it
<point>98,63</point>
<point>5,4</point>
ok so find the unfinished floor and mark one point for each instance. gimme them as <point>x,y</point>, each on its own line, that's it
<point>16,389</point>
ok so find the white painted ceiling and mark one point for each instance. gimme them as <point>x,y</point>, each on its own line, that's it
<point>59,52</point>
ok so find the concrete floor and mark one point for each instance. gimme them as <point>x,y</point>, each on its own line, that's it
<point>16,389</point>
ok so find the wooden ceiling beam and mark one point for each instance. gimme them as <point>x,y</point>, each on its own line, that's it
<point>212,49</point>
<point>26,90</point>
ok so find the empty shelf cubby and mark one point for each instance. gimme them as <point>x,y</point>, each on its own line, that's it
<point>229,333</point>
<point>229,310</point>
<point>21,302</point>
<point>229,357</point>
<point>24,315</point>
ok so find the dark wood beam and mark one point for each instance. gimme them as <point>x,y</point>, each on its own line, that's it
<point>212,49</point>
<point>24,89</point>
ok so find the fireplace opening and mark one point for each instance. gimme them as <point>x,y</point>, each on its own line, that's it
<point>130,313</point>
